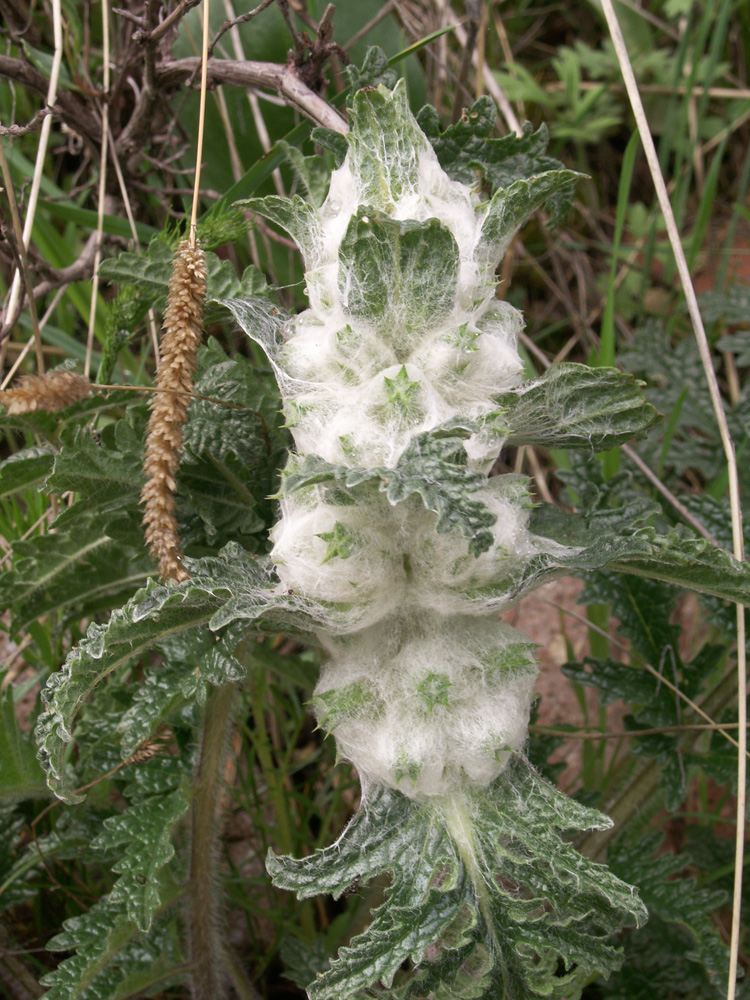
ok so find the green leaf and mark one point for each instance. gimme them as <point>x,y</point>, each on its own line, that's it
<point>262,321</point>
<point>375,71</point>
<point>145,830</point>
<point>230,460</point>
<point>468,146</point>
<point>733,307</point>
<point>111,954</point>
<point>574,406</point>
<point>25,470</point>
<point>485,898</point>
<point>312,172</point>
<point>77,569</point>
<point>295,215</point>
<point>618,539</point>
<point>106,471</point>
<point>385,146</point>
<point>398,276</point>
<point>223,589</point>
<point>149,273</point>
<point>432,467</point>
<point>643,608</point>
<point>510,207</point>
<point>21,777</point>
<point>683,915</point>
<point>193,662</point>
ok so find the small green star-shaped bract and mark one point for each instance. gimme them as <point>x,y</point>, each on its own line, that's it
<point>434,690</point>
<point>340,542</point>
<point>401,392</point>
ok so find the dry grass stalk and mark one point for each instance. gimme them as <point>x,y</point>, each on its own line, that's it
<point>53,391</point>
<point>181,337</point>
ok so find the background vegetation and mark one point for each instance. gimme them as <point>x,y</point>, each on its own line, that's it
<point>600,287</point>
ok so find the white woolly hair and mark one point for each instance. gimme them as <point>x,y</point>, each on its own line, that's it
<point>449,700</point>
<point>437,692</point>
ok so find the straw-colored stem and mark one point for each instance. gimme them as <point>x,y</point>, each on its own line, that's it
<point>102,188</point>
<point>41,150</point>
<point>24,261</point>
<point>252,97</point>
<point>734,494</point>
<point>201,122</point>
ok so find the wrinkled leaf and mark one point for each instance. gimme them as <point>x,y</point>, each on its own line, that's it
<point>433,468</point>
<point>485,898</point>
<point>574,406</point>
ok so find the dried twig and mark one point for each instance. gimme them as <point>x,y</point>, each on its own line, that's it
<point>14,131</point>
<point>271,76</point>
<point>36,180</point>
<point>23,261</point>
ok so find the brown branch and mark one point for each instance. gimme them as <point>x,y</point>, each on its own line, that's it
<point>268,76</point>
<point>75,111</point>
<point>14,131</point>
<point>80,270</point>
<point>151,37</point>
<point>130,140</point>
<point>15,978</point>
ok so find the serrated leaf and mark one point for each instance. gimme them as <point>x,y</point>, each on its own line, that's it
<point>619,540</point>
<point>468,146</point>
<point>20,774</point>
<point>111,953</point>
<point>485,899</point>
<point>150,273</point>
<point>385,145</point>
<point>297,217</point>
<point>574,406</point>
<point>643,608</point>
<point>223,589</point>
<point>312,172</point>
<point>193,662</point>
<point>399,276</point>
<point>262,321</point>
<point>677,902</point>
<point>732,306</point>
<point>510,207</point>
<point>108,470</point>
<point>145,829</point>
<point>374,71</point>
<point>432,467</point>
<point>231,457</point>
<point>25,470</point>
<point>75,569</point>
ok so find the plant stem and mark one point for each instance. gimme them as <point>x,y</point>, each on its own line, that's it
<point>206,949</point>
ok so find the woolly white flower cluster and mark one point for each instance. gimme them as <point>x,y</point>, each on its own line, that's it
<point>426,690</point>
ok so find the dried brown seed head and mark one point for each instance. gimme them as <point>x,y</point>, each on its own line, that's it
<point>51,392</point>
<point>181,337</point>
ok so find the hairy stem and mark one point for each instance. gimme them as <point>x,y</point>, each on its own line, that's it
<point>206,949</point>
